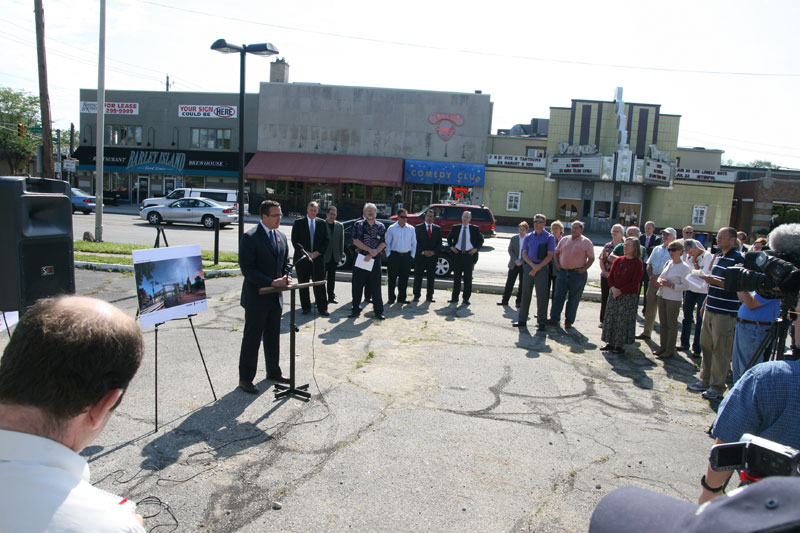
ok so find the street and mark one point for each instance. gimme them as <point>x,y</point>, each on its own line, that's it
<point>491,268</point>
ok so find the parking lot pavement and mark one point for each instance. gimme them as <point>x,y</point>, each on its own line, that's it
<point>441,418</point>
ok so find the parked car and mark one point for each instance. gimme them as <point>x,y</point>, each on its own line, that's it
<point>226,197</point>
<point>83,201</point>
<point>443,261</point>
<point>449,214</point>
<point>191,210</point>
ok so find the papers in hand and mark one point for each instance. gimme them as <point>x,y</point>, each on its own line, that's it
<point>696,283</point>
<point>361,262</point>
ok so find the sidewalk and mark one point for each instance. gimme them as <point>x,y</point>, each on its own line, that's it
<point>441,418</point>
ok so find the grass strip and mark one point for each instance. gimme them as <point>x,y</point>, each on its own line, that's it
<point>122,260</point>
<point>121,249</point>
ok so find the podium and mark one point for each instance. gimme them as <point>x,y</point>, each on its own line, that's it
<point>282,390</point>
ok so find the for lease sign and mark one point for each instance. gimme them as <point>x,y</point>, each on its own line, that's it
<point>206,111</point>
<point>112,108</point>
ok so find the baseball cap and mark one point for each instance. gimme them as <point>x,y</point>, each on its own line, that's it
<point>772,504</point>
<point>671,231</point>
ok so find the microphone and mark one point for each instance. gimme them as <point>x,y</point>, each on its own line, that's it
<point>303,251</point>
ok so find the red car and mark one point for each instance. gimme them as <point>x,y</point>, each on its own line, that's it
<point>448,215</point>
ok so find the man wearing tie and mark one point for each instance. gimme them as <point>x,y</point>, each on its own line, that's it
<point>334,252</point>
<point>465,240</point>
<point>429,241</point>
<point>649,240</point>
<point>401,245</point>
<point>264,261</point>
<point>312,235</point>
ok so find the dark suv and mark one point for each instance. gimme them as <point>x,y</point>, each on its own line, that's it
<point>448,215</point>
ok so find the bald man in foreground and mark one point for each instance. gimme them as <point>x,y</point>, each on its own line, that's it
<point>62,375</point>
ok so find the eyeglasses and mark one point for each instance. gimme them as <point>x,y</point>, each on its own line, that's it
<point>402,216</point>
<point>675,250</point>
<point>539,221</point>
<point>275,215</point>
<point>688,232</point>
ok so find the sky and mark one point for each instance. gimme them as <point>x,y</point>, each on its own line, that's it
<point>730,68</point>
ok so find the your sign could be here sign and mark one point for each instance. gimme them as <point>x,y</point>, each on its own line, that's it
<point>207,111</point>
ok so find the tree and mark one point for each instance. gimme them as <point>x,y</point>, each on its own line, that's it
<point>17,107</point>
<point>760,163</point>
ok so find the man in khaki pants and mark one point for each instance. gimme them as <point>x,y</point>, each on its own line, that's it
<point>719,320</point>
<point>656,261</point>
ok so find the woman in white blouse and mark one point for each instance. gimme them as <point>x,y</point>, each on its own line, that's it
<point>672,282</point>
<point>700,261</point>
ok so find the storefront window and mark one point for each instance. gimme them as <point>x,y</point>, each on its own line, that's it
<point>360,191</point>
<point>295,188</point>
<point>123,135</point>
<point>211,138</point>
<point>602,209</point>
<point>270,186</point>
<point>347,190</point>
<point>195,181</point>
<point>784,214</point>
<point>280,188</point>
<point>512,201</point>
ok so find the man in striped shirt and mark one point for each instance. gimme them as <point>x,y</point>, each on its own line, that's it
<point>719,320</point>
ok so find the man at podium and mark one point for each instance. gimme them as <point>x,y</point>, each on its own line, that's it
<point>264,261</point>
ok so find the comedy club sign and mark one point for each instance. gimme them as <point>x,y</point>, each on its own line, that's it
<point>206,111</point>
<point>437,172</point>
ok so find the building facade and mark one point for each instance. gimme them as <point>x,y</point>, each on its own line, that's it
<point>158,141</point>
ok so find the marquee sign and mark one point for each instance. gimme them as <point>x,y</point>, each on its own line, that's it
<point>658,173</point>
<point>517,161</point>
<point>576,167</point>
<point>705,175</point>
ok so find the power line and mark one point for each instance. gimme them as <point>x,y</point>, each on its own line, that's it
<point>476,52</point>
<point>793,148</point>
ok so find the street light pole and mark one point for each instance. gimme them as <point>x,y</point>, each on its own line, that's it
<point>261,49</point>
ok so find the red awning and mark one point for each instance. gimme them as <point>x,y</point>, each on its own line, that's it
<point>325,168</point>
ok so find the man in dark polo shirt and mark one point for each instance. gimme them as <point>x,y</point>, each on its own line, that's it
<point>369,236</point>
<point>719,320</point>
<point>537,252</point>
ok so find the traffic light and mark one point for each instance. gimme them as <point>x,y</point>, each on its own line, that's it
<point>21,129</point>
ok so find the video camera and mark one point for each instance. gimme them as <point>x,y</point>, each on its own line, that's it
<point>757,456</point>
<point>771,274</point>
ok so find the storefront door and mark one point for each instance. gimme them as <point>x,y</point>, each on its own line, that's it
<point>169,185</point>
<point>628,214</point>
<point>142,188</point>
<point>568,209</point>
<point>420,200</point>
<point>324,197</point>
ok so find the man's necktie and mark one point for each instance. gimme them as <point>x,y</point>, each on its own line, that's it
<point>273,239</point>
<point>463,246</point>
<point>311,230</point>
<point>429,231</point>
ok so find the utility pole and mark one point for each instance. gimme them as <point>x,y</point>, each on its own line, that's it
<point>44,95</point>
<point>168,84</point>
<point>101,126</point>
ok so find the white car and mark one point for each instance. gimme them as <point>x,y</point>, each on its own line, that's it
<point>191,211</point>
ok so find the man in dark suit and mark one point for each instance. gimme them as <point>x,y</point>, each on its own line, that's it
<point>429,241</point>
<point>465,240</point>
<point>334,252</point>
<point>312,235</point>
<point>649,240</point>
<point>264,260</point>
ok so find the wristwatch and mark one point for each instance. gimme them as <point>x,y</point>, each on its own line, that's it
<point>711,489</point>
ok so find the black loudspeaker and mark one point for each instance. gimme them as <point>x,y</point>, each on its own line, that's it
<point>36,241</point>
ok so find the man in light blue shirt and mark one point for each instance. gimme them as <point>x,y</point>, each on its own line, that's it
<point>753,321</point>
<point>655,264</point>
<point>401,246</point>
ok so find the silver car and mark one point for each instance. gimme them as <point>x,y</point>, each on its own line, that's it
<point>191,211</point>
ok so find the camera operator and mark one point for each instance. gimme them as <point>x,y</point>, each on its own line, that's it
<point>764,402</point>
<point>755,318</point>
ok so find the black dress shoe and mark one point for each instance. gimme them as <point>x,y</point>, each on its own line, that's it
<point>324,313</point>
<point>502,303</point>
<point>306,311</point>
<point>519,324</point>
<point>379,316</point>
<point>278,379</point>
<point>466,302</point>
<point>248,387</point>
<point>431,300</point>
<point>453,300</point>
<point>390,301</point>
<point>332,301</point>
<point>415,299</point>
<point>567,325</point>
<point>404,302</point>
<point>541,327</point>
<point>354,314</point>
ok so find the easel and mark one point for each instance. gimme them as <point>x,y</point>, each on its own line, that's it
<point>8,330</point>
<point>189,318</point>
<point>290,389</point>
<point>160,233</point>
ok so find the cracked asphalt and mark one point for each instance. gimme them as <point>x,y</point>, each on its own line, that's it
<point>441,418</point>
